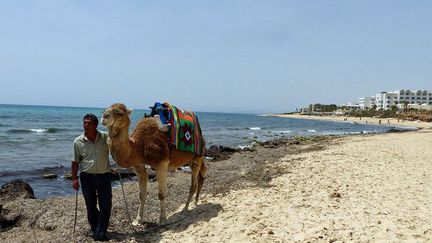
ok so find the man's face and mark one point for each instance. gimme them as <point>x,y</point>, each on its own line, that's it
<point>89,125</point>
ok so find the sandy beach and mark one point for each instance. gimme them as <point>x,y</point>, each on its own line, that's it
<point>363,120</point>
<point>354,188</point>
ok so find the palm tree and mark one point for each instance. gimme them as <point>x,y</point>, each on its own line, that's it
<point>405,106</point>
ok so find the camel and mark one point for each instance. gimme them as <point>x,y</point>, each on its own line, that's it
<point>147,145</point>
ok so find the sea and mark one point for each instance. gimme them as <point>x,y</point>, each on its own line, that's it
<point>35,140</point>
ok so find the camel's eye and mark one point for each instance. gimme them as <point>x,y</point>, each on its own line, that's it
<point>105,115</point>
<point>118,112</point>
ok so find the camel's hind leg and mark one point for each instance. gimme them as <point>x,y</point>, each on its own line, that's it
<point>142,181</point>
<point>161,175</point>
<point>195,166</point>
<point>201,174</point>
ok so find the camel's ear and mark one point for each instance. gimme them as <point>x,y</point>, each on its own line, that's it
<point>129,111</point>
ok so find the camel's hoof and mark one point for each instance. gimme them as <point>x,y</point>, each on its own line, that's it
<point>184,211</point>
<point>136,222</point>
<point>162,221</point>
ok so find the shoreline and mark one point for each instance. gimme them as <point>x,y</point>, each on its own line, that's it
<point>362,120</point>
<point>57,162</point>
<point>373,187</point>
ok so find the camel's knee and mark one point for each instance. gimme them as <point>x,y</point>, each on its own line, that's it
<point>143,196</point>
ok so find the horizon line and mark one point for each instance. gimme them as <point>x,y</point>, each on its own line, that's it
<point>92,107</point>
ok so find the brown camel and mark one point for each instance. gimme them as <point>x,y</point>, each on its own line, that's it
<point>149,146</point>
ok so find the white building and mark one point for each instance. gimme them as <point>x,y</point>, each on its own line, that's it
<point>367,102</point>
<point>419,107</point>
<point>386,100</point>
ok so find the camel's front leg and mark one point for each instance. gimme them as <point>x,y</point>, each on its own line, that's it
<point>142,182</point>
<point>161,175</point>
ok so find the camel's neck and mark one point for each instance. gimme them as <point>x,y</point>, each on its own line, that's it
<point>121,147</point>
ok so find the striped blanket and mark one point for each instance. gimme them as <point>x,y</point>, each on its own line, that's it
<point>185,131</point>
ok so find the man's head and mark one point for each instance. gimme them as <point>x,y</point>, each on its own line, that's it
<point>90,123</point>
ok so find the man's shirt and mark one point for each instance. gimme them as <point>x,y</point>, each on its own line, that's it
<point>92,157</point>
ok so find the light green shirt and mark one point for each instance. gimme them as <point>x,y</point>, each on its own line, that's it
<point>92,157</point>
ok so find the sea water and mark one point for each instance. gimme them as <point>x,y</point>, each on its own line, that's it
<point>39,139</point>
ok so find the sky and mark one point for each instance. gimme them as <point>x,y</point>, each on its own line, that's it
<point>218,56</point>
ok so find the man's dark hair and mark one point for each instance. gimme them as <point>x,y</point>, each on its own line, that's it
<point>91,117</point>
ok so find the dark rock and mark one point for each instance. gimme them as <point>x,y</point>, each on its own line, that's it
<point>7,221</point>
<point>68,176</point>
<point>116,174</point>
<point>226,149</point>
<point>274,143</point>
<point>219,152</point>
<point>16,189</point>
<point>129,174</point>
<point>396,129</point>
<point>49,176</point>
<point>335,195</point>
<point>152,176</point>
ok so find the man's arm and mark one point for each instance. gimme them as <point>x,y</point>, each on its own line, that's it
<point>75,182</point>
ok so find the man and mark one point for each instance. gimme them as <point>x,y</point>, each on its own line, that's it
<point>91,156</point>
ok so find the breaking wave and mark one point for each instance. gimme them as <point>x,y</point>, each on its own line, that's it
<point>35,130</point>
<point>255,128</point>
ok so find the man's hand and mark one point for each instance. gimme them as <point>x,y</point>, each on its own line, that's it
<point>75,184</point>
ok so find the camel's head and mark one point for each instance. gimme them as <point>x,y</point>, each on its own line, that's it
<point>116,117</point>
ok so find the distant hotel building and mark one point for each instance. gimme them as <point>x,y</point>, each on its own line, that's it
<point>367,102</point>
<point>385,100</point>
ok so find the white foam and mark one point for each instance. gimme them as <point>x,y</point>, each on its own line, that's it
<point>311,130</point>
<point>242,147</point>
<point>255,128</point>
<point>39,130</point>
<point>355,133</point>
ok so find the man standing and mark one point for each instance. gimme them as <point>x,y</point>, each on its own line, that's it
<point>91,157</point>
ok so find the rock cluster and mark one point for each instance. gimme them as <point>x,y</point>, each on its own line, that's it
<point>9,192</point>
<point>219,152</point>
<point>15,189</point>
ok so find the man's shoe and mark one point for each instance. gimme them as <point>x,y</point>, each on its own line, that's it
<point>101,237</point>
<point>91,233</point>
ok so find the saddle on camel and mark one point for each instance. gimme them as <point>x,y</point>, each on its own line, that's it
<point>167,139</point>
<point>184,131</point>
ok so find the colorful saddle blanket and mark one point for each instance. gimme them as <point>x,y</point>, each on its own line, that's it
<point>185,131</point>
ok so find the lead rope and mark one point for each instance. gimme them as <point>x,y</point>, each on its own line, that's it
<point>124,198</point>
<point>121,184</point>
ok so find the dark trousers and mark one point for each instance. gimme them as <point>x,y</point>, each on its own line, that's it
<point>97,188</point>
